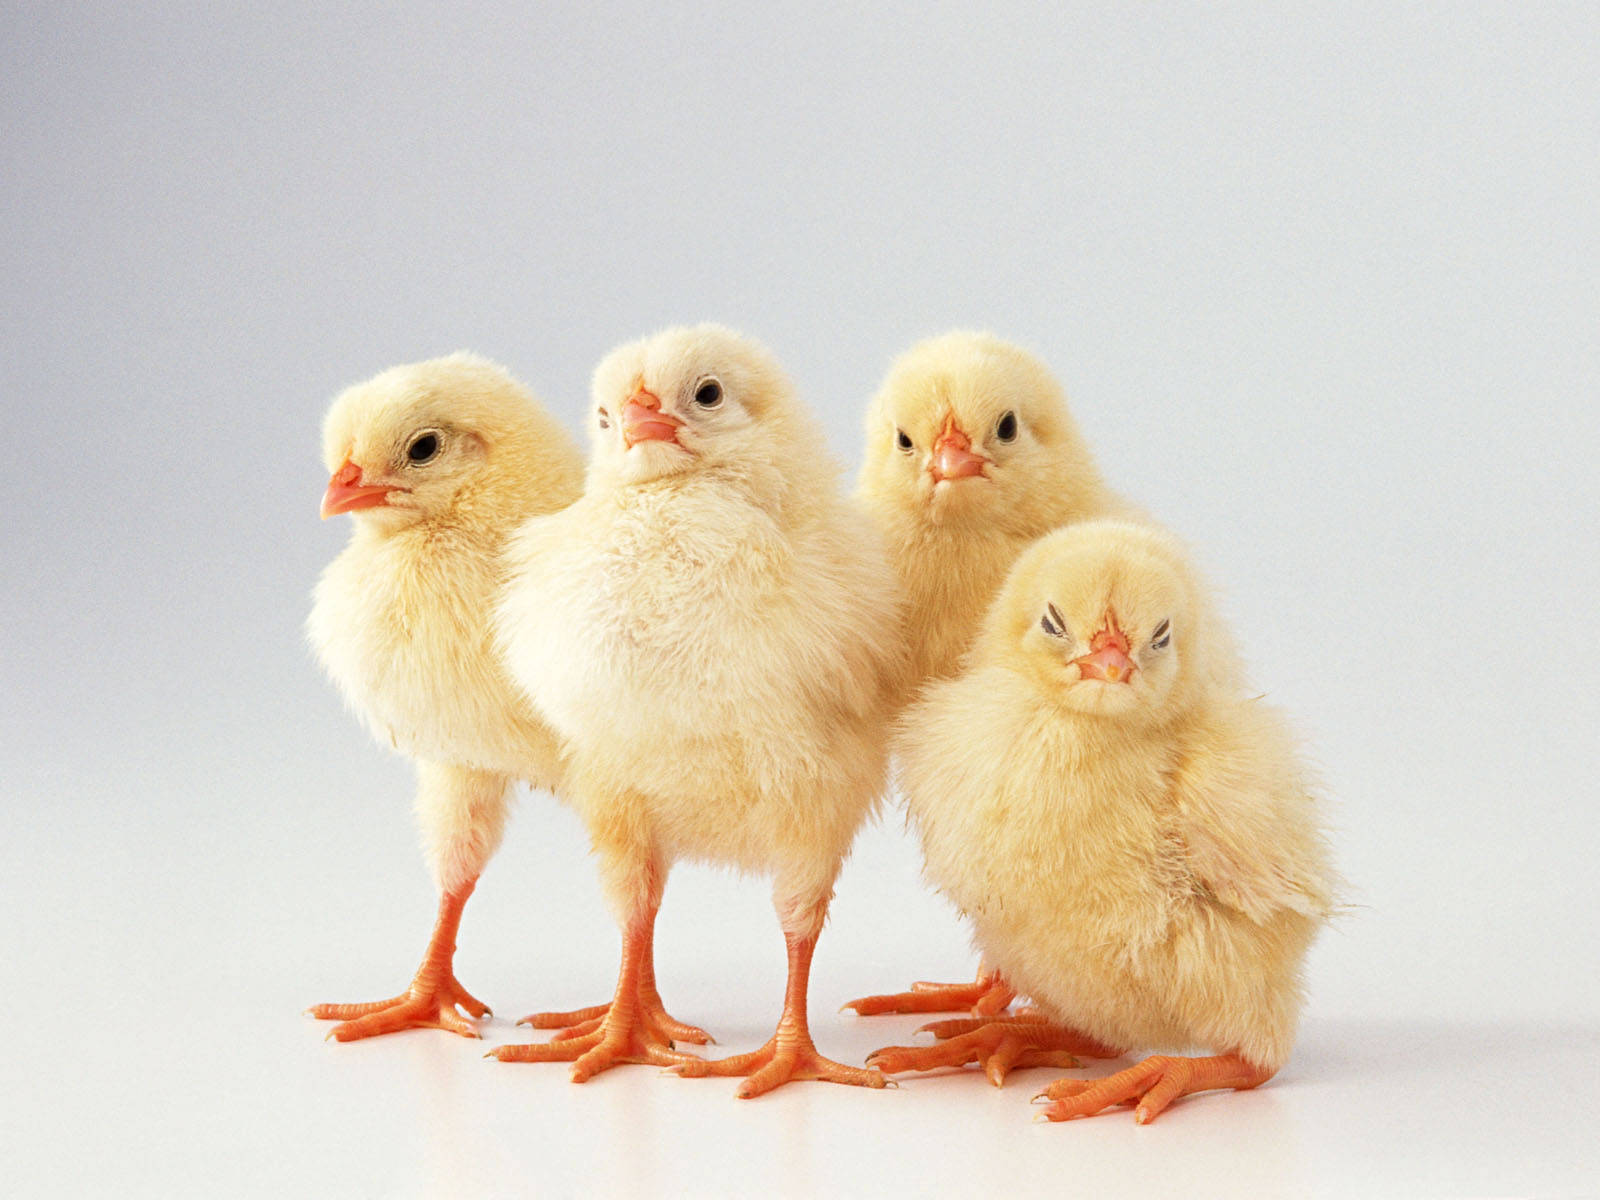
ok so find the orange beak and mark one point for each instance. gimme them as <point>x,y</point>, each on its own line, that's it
<point>643,420</point>
<point>346,492</point>
<point>1108,656</point>
<point>952,454</point>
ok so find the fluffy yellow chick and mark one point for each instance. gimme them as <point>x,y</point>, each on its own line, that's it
<point>1144,859</point>
<point>438,462</point>
<point>971,454</point>
<point>716,635</point>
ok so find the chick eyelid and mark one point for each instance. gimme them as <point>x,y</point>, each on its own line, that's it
<point>1052,622</point>
<point>1161,636</point>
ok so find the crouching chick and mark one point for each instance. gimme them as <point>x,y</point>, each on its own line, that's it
<point>1144,859</point>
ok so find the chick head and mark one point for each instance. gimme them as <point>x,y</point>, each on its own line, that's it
<point>688,399</point>
<point>968,428</point>
<point>413,442</point>
<point>1107,618</point>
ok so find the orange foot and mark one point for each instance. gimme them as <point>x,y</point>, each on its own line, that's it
<point>633,1028</point>
<point>788,1056</point>
<point>999,1045</point>
<point>625,1037</point>
<point>430,1002</point>
<point>987,996</point>
<point>661,1024</point>
<point>1150,1086</point>
<point>427,1004</point>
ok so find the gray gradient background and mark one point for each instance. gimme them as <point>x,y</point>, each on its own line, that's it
<point>1321,282</point>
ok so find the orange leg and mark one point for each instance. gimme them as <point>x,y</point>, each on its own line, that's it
<point>1150,1085</point>
<point>430,1002</point>
<point>790,1054</point>
<point>987,996</point>
<point>999,1045</point>
<point>652,1012</point>
<point>624,1034</point>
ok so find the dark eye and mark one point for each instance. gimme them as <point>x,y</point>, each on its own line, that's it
<point>1052,622</point>
<point>423,448</point>
<point>1162,635</point>
<point>1006,430</point>
<point>708,394</point>
<point>605,419</point>
<point>903,440</point>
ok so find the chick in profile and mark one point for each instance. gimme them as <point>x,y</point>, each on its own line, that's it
<point>716,636</point>
<point>971,454</point>
<point>437,462</point>
<point>1144,859</point>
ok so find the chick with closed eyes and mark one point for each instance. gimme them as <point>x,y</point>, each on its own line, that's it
<point>1145,858</point>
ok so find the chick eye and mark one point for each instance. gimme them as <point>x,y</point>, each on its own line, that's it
<point>423,448</point>
<point>1162,635</point>
<point>708,394</point>
<point>902,439</point>
<point>1006,430</point>
<point>605,419</point>
<point>1052,622</point>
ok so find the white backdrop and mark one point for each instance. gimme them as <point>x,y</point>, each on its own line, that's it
<point>1321,283</point>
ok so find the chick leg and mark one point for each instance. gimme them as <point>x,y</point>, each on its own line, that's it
<point>790,1053</point>
<point>1151,1085</point>
<point>583,1021</point>
<point>999,1045</point>
<point>626,1033</point>
<point>430,1002</point>
<point>987,996</point>
<point>461,812</point>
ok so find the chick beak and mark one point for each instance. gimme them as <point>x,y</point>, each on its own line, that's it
<point>1108,656</point>
<point>346,492</point>
<point>643,420</point>
<point>952,454</point>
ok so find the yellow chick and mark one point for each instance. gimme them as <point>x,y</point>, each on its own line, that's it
<point>716,635</point>
<point>971,454</point>
<point>438,462</point>
<point>1145,858</point>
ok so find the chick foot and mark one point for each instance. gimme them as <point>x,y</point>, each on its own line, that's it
<point>790,1055</point>
<point>431,1000</point>
<point>581,1022</point>
<point>633,1028</point>
<point>998,1045</point>
<point>584,1021</point>
<point>424,1005</point>
<point>987,996</point>
<point>621,1037</point>
<point>1150,1086</point>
